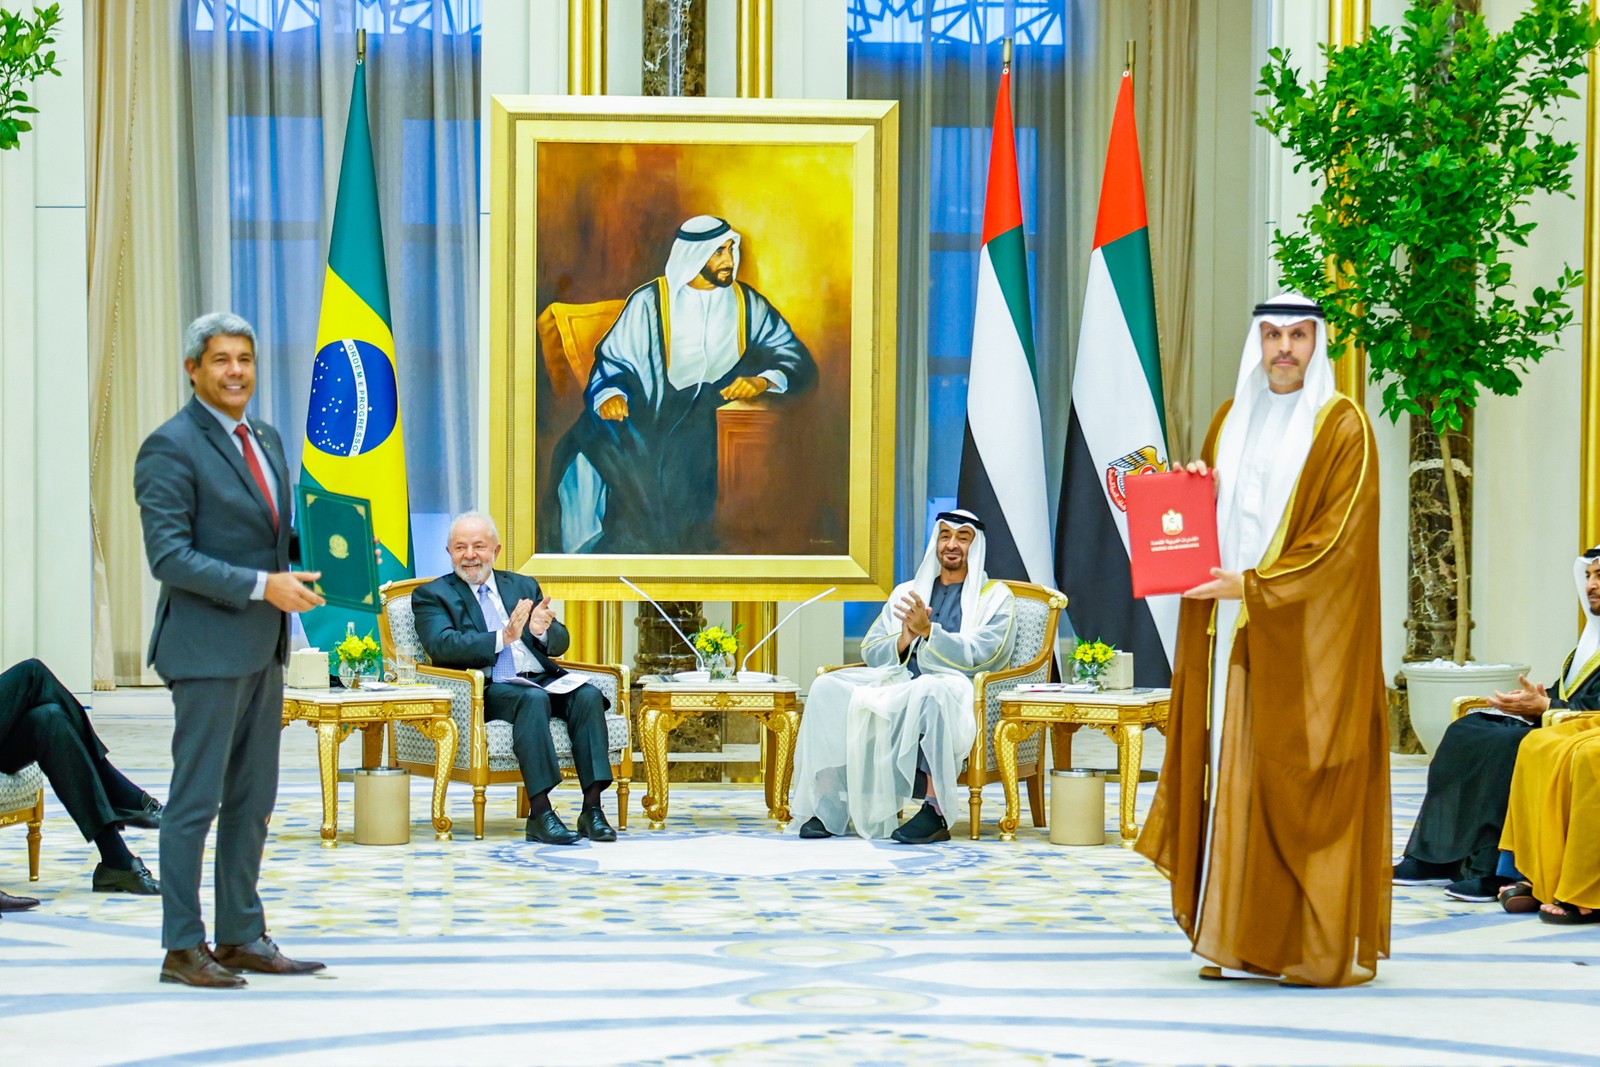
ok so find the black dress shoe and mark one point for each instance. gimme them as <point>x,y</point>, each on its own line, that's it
<point>197,967</point>
<point>11,903</point>
<point>138,880</point>
<point>592,824</point>
<point>147,816</point>
<point>548,829</point>
<point>923,828</point>
<point>813,830</point>
<point>264,957</point>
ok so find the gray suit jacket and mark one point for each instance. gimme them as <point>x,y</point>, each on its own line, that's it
<point>207,531</point>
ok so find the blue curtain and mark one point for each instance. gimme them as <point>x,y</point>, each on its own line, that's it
<point>941,60</point>
<point>268,93</point>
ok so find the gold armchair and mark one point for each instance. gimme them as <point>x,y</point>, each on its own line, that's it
<point>1466,705</point>
<point>22,801</point>
<point>1037,613</point>
<point>484,756</point>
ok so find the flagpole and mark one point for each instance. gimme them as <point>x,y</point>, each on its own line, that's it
<point>1128,59</point>
<point>1005,56</point>
<point>361,47</point>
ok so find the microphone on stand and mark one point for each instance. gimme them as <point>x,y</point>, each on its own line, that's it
<point>663,613</point>
<point>762,676</point>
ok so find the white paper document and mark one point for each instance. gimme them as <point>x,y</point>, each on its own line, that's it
<point>566,683</point>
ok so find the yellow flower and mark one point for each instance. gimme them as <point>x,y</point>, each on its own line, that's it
<point>355,649</point>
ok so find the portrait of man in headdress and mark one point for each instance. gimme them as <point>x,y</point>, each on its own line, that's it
<point>637,471</point>
<point>700,387</point>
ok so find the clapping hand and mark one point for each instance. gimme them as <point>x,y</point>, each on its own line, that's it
<point>518,621</point>
<point>1531,700</point>
<point>913,616</point>
<point>540,619</point>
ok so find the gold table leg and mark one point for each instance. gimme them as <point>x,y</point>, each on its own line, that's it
<point>654,725</point>
<point>1130,754</point>
<point>442,732</point>
<point>329,735</point>
<point>1008,734</point>
<point>785,726</point>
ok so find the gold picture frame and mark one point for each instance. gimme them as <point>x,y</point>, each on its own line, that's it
<point>798,179</point>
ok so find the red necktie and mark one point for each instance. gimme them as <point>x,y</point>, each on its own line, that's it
<point>255,470</point>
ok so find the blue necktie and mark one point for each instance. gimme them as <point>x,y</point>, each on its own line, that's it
<point>505,664</point>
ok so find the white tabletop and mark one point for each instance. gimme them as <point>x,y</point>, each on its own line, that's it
<point>663,684</point>
<point>367,695</point>
<point>1113,697</point>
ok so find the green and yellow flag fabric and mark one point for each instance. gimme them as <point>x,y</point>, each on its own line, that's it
<point>353,441</point>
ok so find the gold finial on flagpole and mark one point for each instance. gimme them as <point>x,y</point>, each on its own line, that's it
<point>361,47</point>
<point>1005,54</point>
<point>1133,48</point>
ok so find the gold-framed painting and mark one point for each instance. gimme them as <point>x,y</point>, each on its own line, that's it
<point>692,330</point>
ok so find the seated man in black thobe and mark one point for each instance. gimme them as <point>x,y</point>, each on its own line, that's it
<point>498,622</point>
<point>42,722</point>
<point>1456,842</point>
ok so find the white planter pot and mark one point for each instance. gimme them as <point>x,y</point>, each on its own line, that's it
<point>1431,689</point>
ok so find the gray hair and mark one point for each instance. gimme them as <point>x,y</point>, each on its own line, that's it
<point>214,324</point>
<point>465,516</point>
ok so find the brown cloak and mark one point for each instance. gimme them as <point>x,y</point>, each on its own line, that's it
<point>1299,877</point>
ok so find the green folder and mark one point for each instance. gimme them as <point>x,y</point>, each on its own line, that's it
<point>336,538</point>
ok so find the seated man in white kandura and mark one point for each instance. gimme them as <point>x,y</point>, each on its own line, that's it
<point>899,727</point>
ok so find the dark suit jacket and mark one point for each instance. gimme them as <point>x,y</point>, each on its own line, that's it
<point>207,531</point>
<point>450,623</point>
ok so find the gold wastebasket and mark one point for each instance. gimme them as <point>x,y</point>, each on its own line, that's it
<point>1077,807</point>
<point>383,806</point>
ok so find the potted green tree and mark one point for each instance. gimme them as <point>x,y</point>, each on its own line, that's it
<point>1428,139</point>
<point>24,56</point>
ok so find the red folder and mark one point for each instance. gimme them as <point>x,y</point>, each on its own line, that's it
<point>1172,531</point>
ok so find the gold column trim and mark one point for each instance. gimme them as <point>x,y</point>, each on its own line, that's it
<point>754,77</point>
<point>1348,21</point>
<point>586,47</point>
<point>758,618</point>
<point>1589,414</point>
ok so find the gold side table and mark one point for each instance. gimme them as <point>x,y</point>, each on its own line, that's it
<point>663,705</point>
<point>336,712</point>
<point>1120,714</point>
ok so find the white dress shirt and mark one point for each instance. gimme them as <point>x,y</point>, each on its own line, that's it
<point>521,655</point>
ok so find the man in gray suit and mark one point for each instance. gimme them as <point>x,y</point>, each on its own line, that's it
<point>213,492</point>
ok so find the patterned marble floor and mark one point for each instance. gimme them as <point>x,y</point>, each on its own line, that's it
<point>720,941</point>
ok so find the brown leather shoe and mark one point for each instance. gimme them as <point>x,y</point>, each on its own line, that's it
<point>11,903</point>
<point>198,967</point>
<point>263,955</point>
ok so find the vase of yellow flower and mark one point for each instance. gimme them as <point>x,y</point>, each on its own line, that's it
<point>359,657</point>
<point>1089,662</point>
<point>715,648</point>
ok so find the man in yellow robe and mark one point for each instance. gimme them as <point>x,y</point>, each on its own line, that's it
<point>1555,789</point>
<point>1281,869</point>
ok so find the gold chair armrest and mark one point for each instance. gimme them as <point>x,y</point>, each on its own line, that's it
<point>1466,705</point>
<point>830,668</point>
<point>1557,716</point>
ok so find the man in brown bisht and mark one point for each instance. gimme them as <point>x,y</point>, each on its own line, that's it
<point>1281,869</point>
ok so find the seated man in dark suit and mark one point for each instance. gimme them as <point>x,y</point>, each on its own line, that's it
<point>42,722</point>
<point>498,622</point>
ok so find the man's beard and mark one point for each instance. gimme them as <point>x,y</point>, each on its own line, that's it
<point>715,277</point>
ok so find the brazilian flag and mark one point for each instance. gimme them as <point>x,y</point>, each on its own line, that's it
<point>353,441</point>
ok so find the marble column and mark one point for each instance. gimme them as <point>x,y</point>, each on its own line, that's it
<point>675,47</point>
